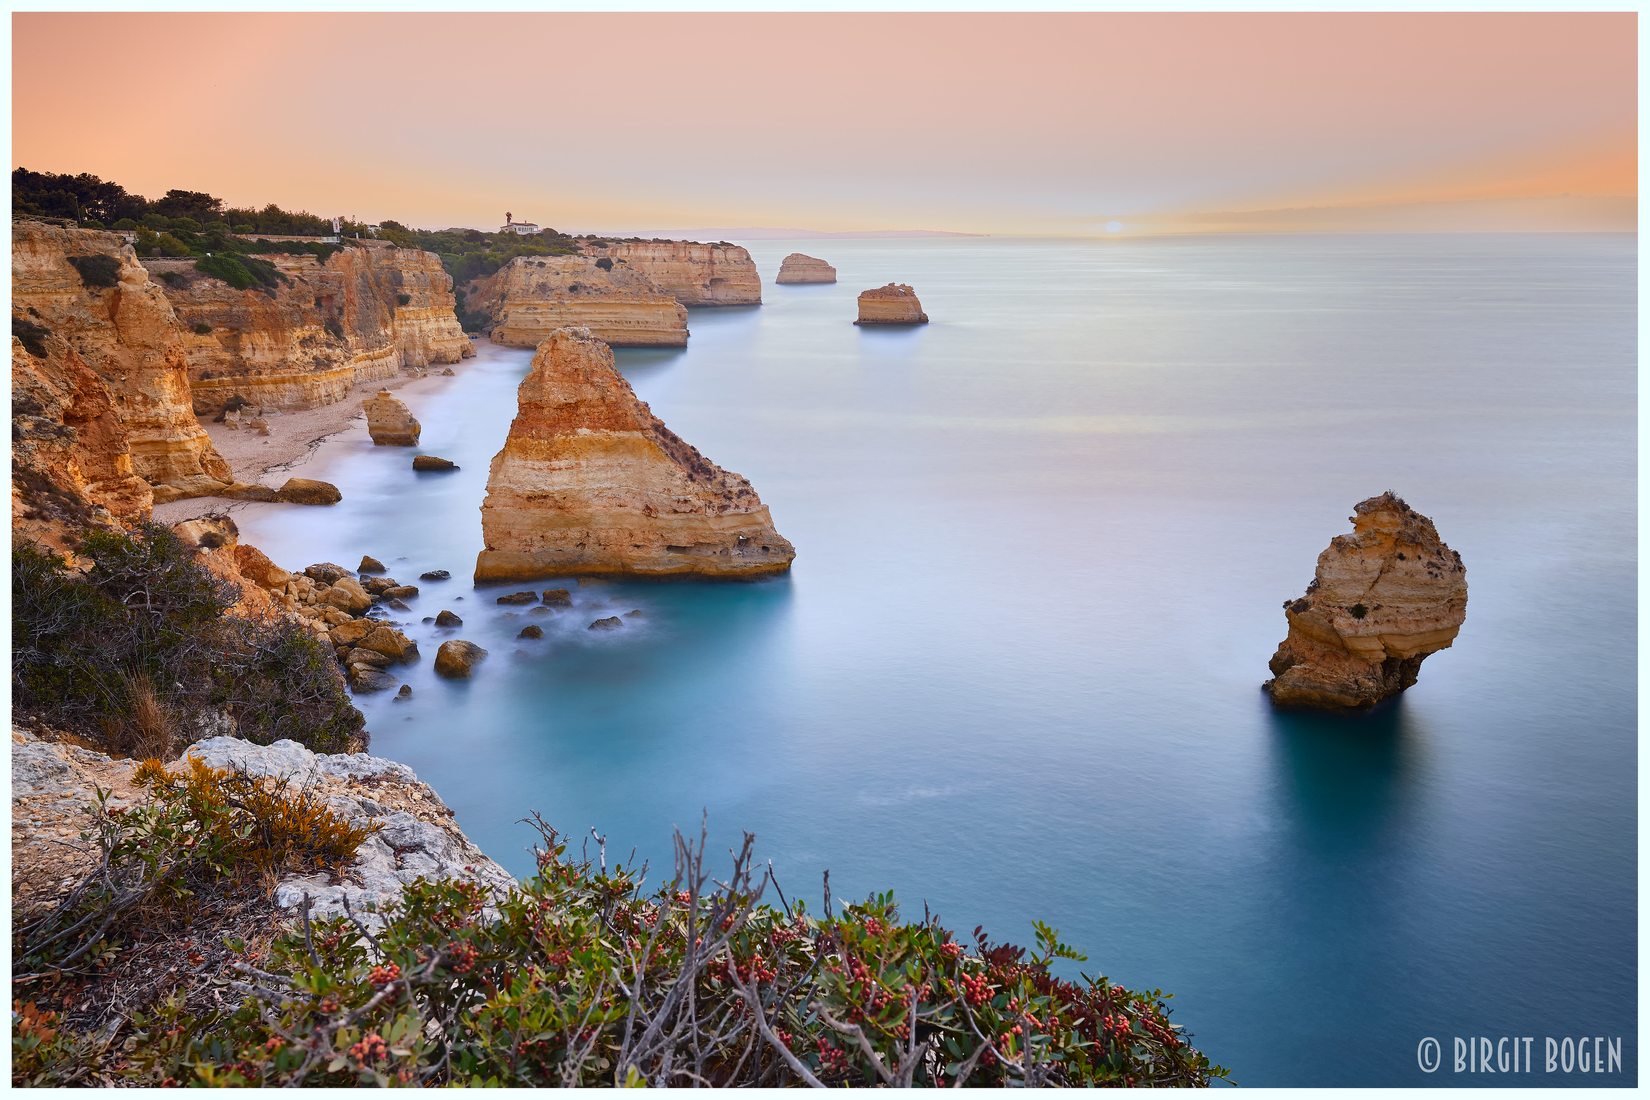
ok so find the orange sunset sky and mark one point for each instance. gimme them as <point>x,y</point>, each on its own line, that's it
<point>1032,124</point>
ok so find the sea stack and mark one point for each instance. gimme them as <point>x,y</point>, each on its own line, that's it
<point>798,268</point>
<point>389,421</point>
<point>1383,598</point>
<point>894,304</point>
<point>591,482</point>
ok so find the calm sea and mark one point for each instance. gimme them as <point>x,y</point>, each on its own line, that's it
<point>1042,548</point>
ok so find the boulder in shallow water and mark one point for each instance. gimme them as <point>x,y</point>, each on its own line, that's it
<point>457,658</point>
<point>405,692</point>
<point>391,643</point>
<point>531,631</point>
<point>447,618</point>
<point>518,597</point>
<point>401,592</point>
<point>435,575</point>
<point>558,597</point>
<point>303,490</point>
<point>369,564</point>
<point>1383,599</point>
<point>389,421</point>
<point>346,594</point>
<point>432,463</point>
<point>612,622</point>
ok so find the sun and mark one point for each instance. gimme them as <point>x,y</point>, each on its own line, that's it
<point>1114,227</point>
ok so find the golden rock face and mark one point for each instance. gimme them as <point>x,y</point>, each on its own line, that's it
<point>328,327</point>
<point>694,274</point>
<point>798,268</point>
<point>533,296</point>
<point>101,317</point>
<point>894,304</point>
<point>389,422</point>
<point>1382,600</point>
<point>591,482</point>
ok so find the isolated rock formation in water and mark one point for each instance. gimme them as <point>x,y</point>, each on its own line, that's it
<point>694,274</point>
<point>389,421</point>
<point>1383,598</point>
<point>591,482</point>
<point>894,304</point>
<point>533,296</point>
<point>798,268</point>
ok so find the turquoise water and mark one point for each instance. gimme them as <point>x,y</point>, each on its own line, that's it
<point>1043,544</point>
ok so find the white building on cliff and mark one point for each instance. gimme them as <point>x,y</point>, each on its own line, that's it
<point>524,229</point>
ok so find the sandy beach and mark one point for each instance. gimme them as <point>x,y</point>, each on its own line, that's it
<point>293,437</point>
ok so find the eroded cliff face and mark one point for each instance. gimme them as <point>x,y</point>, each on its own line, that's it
<point>329,326</point>
<point>694,274</point>
<point>533,296</point>
<point>591,482</point>
<point>1382,600</point>
<point>894,304</point>
<point>798,268</point>
<point>70,463</point>
<point>97,309</point>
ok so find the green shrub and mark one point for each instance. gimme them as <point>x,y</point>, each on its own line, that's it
<point>175,279</point>
<point>141,642</point>
<point>97,270</point>
<point>583,977</point>
<point>605,264</point>
<point>403,299</point>
<point>202,328</point>
<point>33,336</point>
<point>242,272</point>
<point>1358,610</point>
<point>200,828</point>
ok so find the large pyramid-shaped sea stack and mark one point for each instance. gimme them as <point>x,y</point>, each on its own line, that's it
<point>590,482</point>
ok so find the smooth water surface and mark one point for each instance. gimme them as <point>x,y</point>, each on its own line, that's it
<point>1043,544</point>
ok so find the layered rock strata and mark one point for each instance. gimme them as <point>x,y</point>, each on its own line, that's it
<point>694,274</point>
<point>1382,600</point>
<point>71,466</point>
<point>591,482</point>
<point>389,422</point>
<point>81,298</point>
<point>533,296</point>
<point>798,268</point>
<point>364,315</point>
<point>894,304</point>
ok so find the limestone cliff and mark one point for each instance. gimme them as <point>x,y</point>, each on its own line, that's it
<point>54,787</point>
<point>591,482</point>
<point>533,296</point>
<point>327,327</point>
<point>894,304</point>
<point>798,268</point>
<point>70,463</point>
<point>88,303</point>
<point>1383,598</point>
<point>694,274</point>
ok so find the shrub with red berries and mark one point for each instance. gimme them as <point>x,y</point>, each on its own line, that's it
<point>584,977</point>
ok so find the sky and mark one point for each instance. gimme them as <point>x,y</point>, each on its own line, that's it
<point>1055,124</point>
